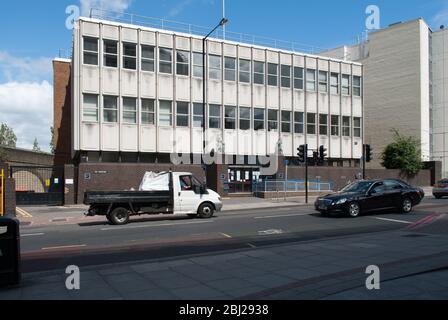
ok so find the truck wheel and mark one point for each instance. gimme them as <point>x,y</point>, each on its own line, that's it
<point>119,216</point>
<point>206,211</point>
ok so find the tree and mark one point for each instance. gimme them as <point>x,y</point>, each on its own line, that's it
<point>7,136</point>
<point>403,154</point>
<point>52,146</point>
<point>36,147</point>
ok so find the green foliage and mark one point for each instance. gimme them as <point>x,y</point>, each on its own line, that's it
<point>52,146</point>
<point>36,147</point>
<point>403,154</point>
<point>7,136</point>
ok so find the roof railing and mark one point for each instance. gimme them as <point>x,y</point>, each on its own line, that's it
<point>175,26</point>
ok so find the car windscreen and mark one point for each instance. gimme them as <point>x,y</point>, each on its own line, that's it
<point>361,186</point>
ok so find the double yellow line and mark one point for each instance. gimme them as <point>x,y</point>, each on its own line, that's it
<point>23,213</point>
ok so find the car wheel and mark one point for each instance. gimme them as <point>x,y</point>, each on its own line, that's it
<point>354,210</point>
<point>119,216</point>
<point>206,211</point>
<point>406,205</point>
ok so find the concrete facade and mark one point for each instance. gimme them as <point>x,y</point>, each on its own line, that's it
<point>397,84</point>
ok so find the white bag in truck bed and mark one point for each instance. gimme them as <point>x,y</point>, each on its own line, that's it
<point>155,182</point>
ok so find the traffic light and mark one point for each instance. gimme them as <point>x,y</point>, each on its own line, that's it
<point>302,153</point>
<point>368,152</point>
<point>322,153</point>
<point>316,158</point>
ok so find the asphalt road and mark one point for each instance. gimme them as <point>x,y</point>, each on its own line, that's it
<point>51,247</point>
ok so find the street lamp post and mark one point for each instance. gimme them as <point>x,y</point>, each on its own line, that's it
<point>222,23</point>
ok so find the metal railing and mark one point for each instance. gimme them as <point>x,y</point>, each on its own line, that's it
<point>292,186</point>
<point>175,26</point>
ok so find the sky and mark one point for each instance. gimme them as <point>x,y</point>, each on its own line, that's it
<point>33,32</point>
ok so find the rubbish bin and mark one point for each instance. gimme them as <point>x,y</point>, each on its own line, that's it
<point>9,252</point>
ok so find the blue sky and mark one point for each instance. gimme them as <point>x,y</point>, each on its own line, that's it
<point>32,32</point>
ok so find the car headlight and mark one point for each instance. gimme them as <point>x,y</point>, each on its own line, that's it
<point>341,201</point>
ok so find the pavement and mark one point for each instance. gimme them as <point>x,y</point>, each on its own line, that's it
<point>413,265</point>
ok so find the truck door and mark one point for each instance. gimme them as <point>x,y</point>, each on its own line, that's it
<point>189,199</point>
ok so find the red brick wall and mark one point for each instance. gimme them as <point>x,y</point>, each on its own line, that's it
<point>62,112</point>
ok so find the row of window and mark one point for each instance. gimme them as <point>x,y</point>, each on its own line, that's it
<point>246,71</point>
<point>242,118</point>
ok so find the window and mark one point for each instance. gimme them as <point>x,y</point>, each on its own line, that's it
<point>148,112</point>
<point>286,121</point>
<point>298,78</point>
<point>323,81</point>
<point>334,83</point>
<point>110,109</point>
<point>90,107</point>
<point>165,113</point>
<point>130,56</point>
<point>91,51</point>
<point>311,123</point>
<point>215,67</point>
<point>259,72</point>
<point>198,115</point>
<point>346,126</point>
<point>272,120</point>
<point>230,69</point>
<point>244,118</point>
<point>357,86</point>
<point>335,125</point>
<point>298,122</point>
<point>166,60</point>
<point>286,76</point>
<point>357,127</point>
<point>185,183</point>
<point>183,114</point>
<point>311,80</point>
<point>345,84</point>
<point>272,74</point>
<point>198,65</point>
<point>110,53</point>
<point>148,58</point>
<point>129,110</point>
<point>230,117</point>
<point>183,63</point>
<point>258,119</point>
<point>214,116</point>
<point>323,124</point>
<point>244,71</point>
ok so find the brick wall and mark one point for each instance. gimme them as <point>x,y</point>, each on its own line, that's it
<point>62,112</point>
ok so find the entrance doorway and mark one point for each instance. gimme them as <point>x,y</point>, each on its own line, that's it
<point>242,179</point>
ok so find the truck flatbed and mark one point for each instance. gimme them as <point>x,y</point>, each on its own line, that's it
<point>106,197</point>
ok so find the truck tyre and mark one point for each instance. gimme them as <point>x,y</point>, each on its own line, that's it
<point>119,216</point>
<point>206,211</point>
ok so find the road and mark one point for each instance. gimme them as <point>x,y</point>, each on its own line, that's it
<point>92,243</point>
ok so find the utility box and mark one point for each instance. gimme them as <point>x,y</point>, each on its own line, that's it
<point>10,273</point>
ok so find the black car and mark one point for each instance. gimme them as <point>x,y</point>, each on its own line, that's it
<point>371,195</point>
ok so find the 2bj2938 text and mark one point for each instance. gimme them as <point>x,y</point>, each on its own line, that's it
<point>234,310</point>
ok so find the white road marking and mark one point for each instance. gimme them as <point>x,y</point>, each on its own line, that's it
<point>65,247</point>
<point>391,220</point>
<point>153,225</point>
<point>226,235</point>
<point>283,216</point>
<point>251,245</point>
<point>32,234</point>
<point>270,232</point>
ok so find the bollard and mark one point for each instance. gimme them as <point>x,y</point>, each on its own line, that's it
<point>10,273</point>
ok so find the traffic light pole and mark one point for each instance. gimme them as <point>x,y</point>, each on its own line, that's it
<point>364,155</point>
<point>306,174</point>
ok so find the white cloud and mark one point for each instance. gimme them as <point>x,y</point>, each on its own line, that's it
<point>24,69</point>
<point>111,5</point>
<point>441,18</point>
<point>27,107</point>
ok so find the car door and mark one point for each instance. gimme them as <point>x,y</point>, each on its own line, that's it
<point>377,198</point>
<point>394,192</point>
<point>187,195</point>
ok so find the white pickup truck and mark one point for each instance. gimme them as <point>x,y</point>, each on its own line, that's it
<point>178,193</point>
